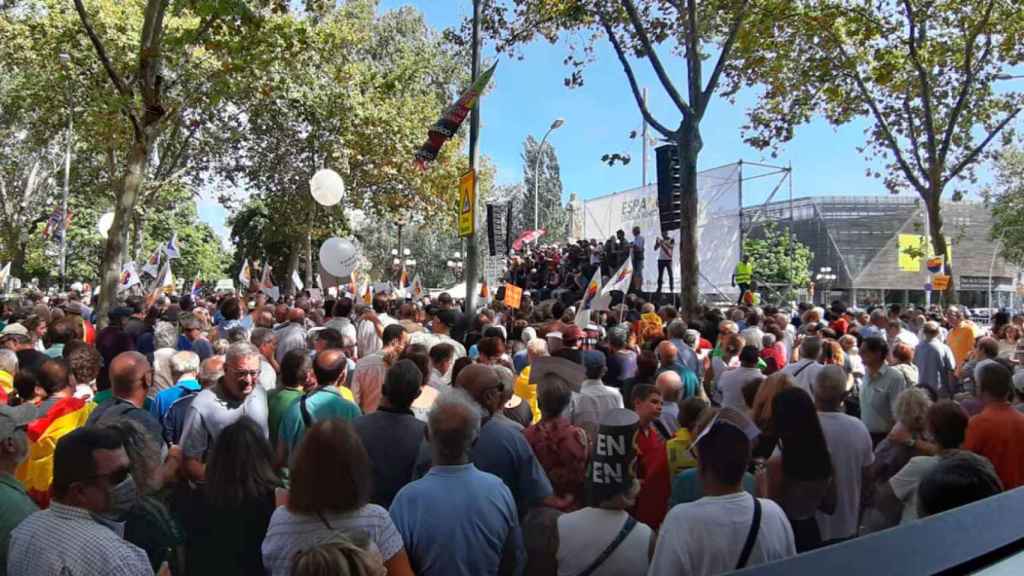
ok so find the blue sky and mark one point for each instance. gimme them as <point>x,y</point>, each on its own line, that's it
<point>528,94</point>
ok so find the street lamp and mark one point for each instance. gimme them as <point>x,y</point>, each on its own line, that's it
<point>558,123</point>
<point>1009,77</point>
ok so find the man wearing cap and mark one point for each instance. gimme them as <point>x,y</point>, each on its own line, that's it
<point>571,337</point>
<point>595,399</point>
<point>15,505</point>
<point>727,529</point>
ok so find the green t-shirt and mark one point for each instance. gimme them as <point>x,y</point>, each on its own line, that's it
<point>278,402</point>
<point>322,404</point>
<point>15,506</point>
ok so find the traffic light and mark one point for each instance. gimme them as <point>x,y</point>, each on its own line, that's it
<point>669,187</point>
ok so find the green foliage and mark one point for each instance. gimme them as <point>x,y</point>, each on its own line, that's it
<point>778,257</point>
<point>1006,198</point>
<point>553,218</point>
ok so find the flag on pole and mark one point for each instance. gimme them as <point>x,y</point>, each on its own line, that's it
<point>129,276</point>
<point>417,288</point>
<point>172,247</point>
<point>265,280</point>
<point>5,275</point>
<point>367,292</point>
<point>165,281</point>
<point>196,285</point>
<point>403,283</point>
<point>54,228</point>
<point>622,279</point>
<point>296,281</point>
<point>245,275</point>
<point>152,266</point>
<point>589,295</point>
<point>353,284</point>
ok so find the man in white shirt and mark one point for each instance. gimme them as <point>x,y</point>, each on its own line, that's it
<point>805,371</point>
<point>710,536</point>
<point>849,443</point>
<point>342,322</point>
<point>595,399</point>
<point>730,385</point>
<point>371,326</point>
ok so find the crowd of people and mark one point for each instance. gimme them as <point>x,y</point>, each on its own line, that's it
<point>233,435</point>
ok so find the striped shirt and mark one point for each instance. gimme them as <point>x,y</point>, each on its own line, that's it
<point>289,533</point>
<point>66,540</point>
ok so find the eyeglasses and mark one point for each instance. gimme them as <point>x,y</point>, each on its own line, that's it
<point>242,374</point>
<point>114,477</point>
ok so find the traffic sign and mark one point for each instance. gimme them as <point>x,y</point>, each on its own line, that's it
<point>467,204</point>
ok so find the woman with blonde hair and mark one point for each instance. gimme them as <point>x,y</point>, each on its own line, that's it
<point>731,345</point>
<point>761,412</point>
<point>343,555</point>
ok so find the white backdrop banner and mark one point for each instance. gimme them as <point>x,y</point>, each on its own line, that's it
<point>718,226</point>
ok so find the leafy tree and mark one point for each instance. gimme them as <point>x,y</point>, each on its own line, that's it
<point>552,214</point>
<point>923,72</point>
<point>1006,197</point>
<point>779,259</point>
<point>734,31</point>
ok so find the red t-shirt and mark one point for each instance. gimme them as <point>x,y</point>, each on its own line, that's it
<point>996,434</point>
<point>655,484</point>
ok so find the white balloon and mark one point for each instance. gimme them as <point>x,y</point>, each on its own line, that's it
<point>104,224</point>
<point>339,256</point>
<point>327,187</point>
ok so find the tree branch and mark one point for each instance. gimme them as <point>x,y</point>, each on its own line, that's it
<point>122,88</point>
<point>914,136</point>
<point>969,77</point>
<point>723,58</point>
<point>973,154</point>
<point>926,88</point>
<point>620,52</point>
<point>202,30</point>
<point>652,56</point>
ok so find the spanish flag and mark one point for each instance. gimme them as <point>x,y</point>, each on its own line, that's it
<point>36,472</point>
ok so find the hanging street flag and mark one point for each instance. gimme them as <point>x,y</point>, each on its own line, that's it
<point>622,279</point>
<point>5,275</point>
<point>296,281</point>
<point>152,266</point>
<point>129,276</point>
<point>452,119</point>
<point>172,247</point>
<point>526,238</point>
<point>54,228</point>
<point>245,275</point>
<point>417,288</point>
<point>587,305</point>
<point>196,285</point>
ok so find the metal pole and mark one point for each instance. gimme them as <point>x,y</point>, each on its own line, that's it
<point>64,203</point>
<point>991,269</point>
<point>644,136</point>
<point>536,180</point>
<point>474,152</point>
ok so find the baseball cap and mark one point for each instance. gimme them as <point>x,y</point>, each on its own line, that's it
<point>15,329</point>
<point>594,359</point>
<point>14,417</point>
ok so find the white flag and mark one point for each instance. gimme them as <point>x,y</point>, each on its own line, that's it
<point>296,281</point>
<point>129,277</point>
<point>5,274</point>
<point>589,295</point>
<point>152,266</point>
<point>165,281</point>
<point>172,248</point>
<point>245,276</point>
<point>622,279</point>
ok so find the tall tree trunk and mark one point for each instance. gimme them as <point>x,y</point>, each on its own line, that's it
<point>689,145</point>
<point>124,207</point>
<point>939,242</point>
<point>138,224</point>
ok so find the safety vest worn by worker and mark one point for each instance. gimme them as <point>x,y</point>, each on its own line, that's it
<point>744,272</point>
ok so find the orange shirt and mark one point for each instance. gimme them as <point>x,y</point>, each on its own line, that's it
<point>996,434</point>
<point>961,341</point>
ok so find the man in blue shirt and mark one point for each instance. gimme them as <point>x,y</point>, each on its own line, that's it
<point>184,366</point>
<point>457,520</point>
<point>321,402</point>
<point>501,449</point>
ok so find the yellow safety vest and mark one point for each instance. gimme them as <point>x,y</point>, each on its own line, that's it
<point>744,272</point>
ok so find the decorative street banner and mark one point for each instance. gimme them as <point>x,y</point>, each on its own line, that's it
<point>718,226</point>
<point>449,124</point>
<point>467,204</point>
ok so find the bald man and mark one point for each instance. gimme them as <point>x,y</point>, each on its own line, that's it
<point>501,449</point>
<point>130,379</point>
<point>668,360</point>
<point>292,336</point>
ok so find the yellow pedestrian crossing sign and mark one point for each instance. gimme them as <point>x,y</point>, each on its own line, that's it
<point>467,204</point>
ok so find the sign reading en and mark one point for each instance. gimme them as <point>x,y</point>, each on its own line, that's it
<point>513,296</point>
<point>467,204</point>
<point>940,282</point>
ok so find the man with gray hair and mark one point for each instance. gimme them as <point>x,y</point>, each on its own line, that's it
<point>805,370</point>
<point>266,341</point>
<point>184,367</point>
<point>210,372</point>
<point>877,326</point>
<point>431,513</point>
<point>935,362</point>
<point>687,356</point>
<point>237,394</point>
<point>165,342</point>
<point>849,443</point>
